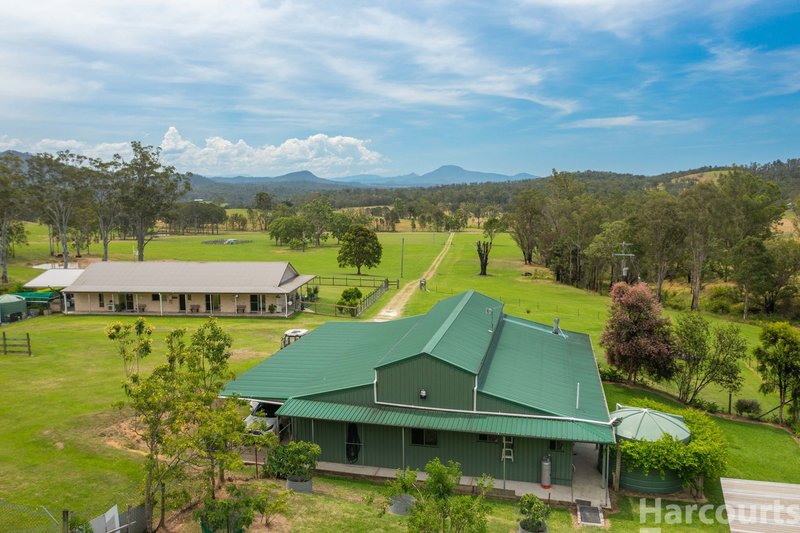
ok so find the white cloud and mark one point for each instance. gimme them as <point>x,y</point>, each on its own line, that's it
<point>629,121</point>
<point>324,155</point>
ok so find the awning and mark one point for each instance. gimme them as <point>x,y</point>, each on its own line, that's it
<point>39,297</point>
<point>540,428</point>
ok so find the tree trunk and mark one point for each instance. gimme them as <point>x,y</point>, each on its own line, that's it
<point>4,252</point>
<point>696,288</point>
<point>140,246</point>
<point>65,249</point>
<point>483,255</point>
<point>662,271</point>
<point>746,303</point>
<point>148,501</point>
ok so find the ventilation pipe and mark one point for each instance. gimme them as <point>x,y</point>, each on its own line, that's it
<point>556,329</point>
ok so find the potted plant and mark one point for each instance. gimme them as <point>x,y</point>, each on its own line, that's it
<point>400,491</point>
<point>534,514</point>
<point>295,461</point>
<point>271,308</point>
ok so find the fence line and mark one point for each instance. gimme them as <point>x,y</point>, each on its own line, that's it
<point>349,310</point>
<point>357,281</point>
<point>17,345</point>
<point>26,519</point>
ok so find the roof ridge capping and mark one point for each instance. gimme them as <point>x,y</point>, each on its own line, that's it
<point>436,338</point>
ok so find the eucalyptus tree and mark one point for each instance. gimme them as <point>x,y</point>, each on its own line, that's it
<point>13,192</point>
<point>58,187</point>
<point>525,220</point>
<point>659,233</point>
<point>148,189</point>
<point>700,218</point>
<point>104,197</point>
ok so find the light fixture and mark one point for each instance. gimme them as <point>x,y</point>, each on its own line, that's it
<point>423,394</point>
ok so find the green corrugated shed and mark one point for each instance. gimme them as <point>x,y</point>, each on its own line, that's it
<point>544,428</point>
<point>12,307</point>
<point>483,373</point>
<point>39,296</point>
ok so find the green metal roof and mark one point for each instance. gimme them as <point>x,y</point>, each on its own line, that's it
<point>450,421</point>
<point>530,365</point>
<point>335,356</point>
<point>639,423</point>
<point>517,360</point>
<point>456,330</point>
<point>40,296</point>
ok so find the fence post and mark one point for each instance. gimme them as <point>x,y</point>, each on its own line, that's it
<point>5,352</point>
<point>28,335</point>
<point>64,519</point>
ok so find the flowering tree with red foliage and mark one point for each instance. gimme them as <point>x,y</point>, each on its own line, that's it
<point>636,337</point>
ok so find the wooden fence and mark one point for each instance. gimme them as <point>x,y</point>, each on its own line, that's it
<point>355,281</point>
<point>16,345</point>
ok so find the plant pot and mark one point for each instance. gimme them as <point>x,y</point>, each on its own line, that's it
<point>401,504</point>
<point>299,484</point>
<point>537,527</point>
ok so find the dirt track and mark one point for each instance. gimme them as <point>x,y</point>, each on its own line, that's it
<point>395,306</point>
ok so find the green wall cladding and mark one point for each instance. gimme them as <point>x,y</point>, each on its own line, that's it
<point>447,386</point>
<point>354,396</point>
<point>496,405</point>
<point>384,446</point>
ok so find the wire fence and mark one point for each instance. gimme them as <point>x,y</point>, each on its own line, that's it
<point>354,281</point>
<point>27,519</point>
<point>366,302</point>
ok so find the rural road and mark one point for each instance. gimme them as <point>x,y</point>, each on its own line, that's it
<point>399,300</point>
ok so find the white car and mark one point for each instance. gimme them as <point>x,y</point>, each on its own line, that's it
<point>262,414</point>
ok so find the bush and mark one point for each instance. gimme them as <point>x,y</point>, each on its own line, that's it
<point>703,405</point>
<point>296,460</point>
<point>353,293</point>
<point>721,299</point>
<point>271,308</point>
<point>612,374</point>
<point>674,300</point>
<point>534,513</point>
<point>750,408</point>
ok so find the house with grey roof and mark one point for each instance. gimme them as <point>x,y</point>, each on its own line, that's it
<point>257,288</point>
<point>465,381</point>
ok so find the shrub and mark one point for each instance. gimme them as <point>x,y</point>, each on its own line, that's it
<point>721,299</point>
<point>612,374</point>
<point>271,308</point>
<point>405,482</point>
<point>704,405</point>
<point>745,407</point>
<point>534,512</point>
<point>298,459</point>
<point>353,293</point>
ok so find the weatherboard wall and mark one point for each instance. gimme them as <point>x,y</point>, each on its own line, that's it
<point>386,446</point>
<point>446,386</point>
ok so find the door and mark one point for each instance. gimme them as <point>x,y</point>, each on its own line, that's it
<point>254,303</point>
<point>128,301</point>
<point>353,444</point>
<point>182,302</point>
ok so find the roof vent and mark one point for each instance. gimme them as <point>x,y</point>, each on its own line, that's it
<point>556,329</point>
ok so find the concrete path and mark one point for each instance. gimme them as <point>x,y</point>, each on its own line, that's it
<point>395,306</point>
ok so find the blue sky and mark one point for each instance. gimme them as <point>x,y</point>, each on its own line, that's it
<point>263,88</point>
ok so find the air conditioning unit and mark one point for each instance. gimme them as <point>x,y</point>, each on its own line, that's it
<point>110,307</point>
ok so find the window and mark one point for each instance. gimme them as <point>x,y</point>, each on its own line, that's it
<point>482,437</point>
<point>154,297</point>
<point>556,446</point>
<point>424,437</point>
<point>101,300</point>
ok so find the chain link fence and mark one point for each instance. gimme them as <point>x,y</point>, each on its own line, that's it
<point>26,519</point>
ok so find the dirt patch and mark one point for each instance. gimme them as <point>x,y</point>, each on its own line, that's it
<point>244,355</point>
<point>122,435</point>
<point>59,445</point>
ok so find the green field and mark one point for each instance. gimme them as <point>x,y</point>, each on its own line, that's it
<point>61,442</point>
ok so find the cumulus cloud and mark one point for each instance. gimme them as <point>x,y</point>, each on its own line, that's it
<point>325,155</point>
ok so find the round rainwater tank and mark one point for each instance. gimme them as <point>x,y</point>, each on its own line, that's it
<point>639,423</point>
